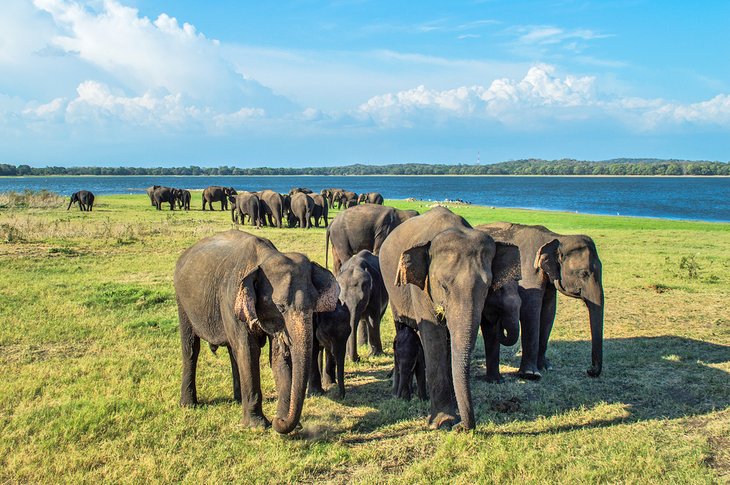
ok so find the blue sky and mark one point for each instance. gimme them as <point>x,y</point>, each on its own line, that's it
<point>293,83</point>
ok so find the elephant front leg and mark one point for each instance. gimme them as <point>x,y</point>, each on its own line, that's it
<point>329,376</point>
<point>530,327</point>
<point>373,326</point>
<point>547,318</point>
<point>421,377</point>
<point>437,356</point>
<point>247,353</point>
<point>315,377</point>
<point>490,334</point>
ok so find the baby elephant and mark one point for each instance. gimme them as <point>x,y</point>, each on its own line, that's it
<point>363,292</point>
<point>84,198</point>
<point>331,330</point>
<point>409,361</point>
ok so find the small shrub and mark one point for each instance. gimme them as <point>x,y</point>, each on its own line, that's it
<point>690,266</point>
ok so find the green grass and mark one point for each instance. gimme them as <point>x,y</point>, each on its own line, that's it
<point>89,353</point>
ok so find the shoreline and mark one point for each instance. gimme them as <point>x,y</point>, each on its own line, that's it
<point>372,175</point>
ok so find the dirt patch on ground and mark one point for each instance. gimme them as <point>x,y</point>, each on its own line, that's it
<point>24,353</point>
<point>717,432</point>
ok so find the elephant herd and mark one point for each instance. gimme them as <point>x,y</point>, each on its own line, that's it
<point>443,279</point>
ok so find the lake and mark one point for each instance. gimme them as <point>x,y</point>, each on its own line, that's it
<point>692,198</point>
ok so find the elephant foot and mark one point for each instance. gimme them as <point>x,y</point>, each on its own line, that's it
<point>442,421</point>
<point>256,422</point>
<point>544,364</point>
<point>188,402</point>
<point>315,391</point>
<point>462,428</point>
<point>529,374</point>
<point>376,352</point>
<point>340,393</point>
<point>494,379</point>
<point>354,358</point>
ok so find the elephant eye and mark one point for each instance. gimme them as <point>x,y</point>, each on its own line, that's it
<point>583,273</point>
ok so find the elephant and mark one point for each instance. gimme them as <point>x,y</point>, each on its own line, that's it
<point>409,362</point>
<point>362,227</point>
<point>438,271</point>
<point>348,199</point>
<point>331,195</point>
<point>370,198</point>
<point>165,194</point>
<point>183,199</point>
<point>272,207</point>
<point>363,292</point>
<point>245,204</point>
<point>550,263</point>
<point>216,193</point>
<point>236,289</point>
<point>300,190</point>
<point>286,198</point>
<point>320,210</point>
<point>84,198</point>
<point>302,206</point>
<point>331,330</point>
<point>150,193</point>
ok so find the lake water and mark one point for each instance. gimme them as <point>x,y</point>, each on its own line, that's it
<point>694,198</point>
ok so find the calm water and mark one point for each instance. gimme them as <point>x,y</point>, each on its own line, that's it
<point>674,198</point>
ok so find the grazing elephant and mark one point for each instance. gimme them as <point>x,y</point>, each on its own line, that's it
<point>301,209</point>
<point>409,363</point>
<point>235,289</point>
<point>84,198</point>
<point>320,210</point>
<point>183,199</point>
<point>331,195</point>
<point>331,330</point>
<point>272,207</point>
<point>165,194</point>
<point>245,204</point>
<point>347,199</point>
<point>363,292</point>
<point>553,262</point>
<point>216,193</point>
<point>362,227</point>
<point>438,270</point>
<point>370,198</point>
<point>150,193</point>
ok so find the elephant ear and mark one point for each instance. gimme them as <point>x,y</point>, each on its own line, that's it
<point>547,260</point>
<point>327,289</point>
<point>413,266</point>
<point>245,304</point>
<point>505,265</point>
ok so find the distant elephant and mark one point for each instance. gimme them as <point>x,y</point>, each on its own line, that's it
<point>362,227</point>
<point>216,193</point>
<point>438,271</point>
<point>164,194</point>
<point>301,209</point>
<point>331,195</point>
<point>150,191</point>
<point>320,210</point>
<point>408,363</point>
<point>300,190</point>
<point>245,204</point>
<point>183,199</point>
<point>272,207</point>
<point>84,198</point>
<point>370,198</point>
<point>347,199</point>
<point>331,330</point>
<point>286,198</point>
<point>363,292</point>
<point>234,289</point>
<point>550,262</point>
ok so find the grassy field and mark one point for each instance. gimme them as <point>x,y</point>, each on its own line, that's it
<point>89,352</point>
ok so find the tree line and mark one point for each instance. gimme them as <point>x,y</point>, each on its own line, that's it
<point>620,166</point>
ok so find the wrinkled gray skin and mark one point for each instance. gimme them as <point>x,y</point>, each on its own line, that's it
<point>347,199</point>
<point>320,210</point>
<point>438,270</point>
<point>84,199</point>
<point>234,289</point>
<point>363,292</point>
<point>183,199</point>
<point>408,363</point>
<point>272,207</point>
<point>150,191</point>
<point>163,195</point>
<point>331,330</point>
<point>553,262</point>
<point>245,204</point>
<point>301,209</point>
<point>370,198</point>
<point>362,227</point>
<point>216,193</point>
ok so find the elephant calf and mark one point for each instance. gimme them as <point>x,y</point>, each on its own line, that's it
<point>409,362</point>
<point>331,330</point>
<point>84,198</point>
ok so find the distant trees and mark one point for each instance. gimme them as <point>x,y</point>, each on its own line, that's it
<point>621,166</point>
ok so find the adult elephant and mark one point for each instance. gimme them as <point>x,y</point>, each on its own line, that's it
<point>370,198</point>
<point>245,204</point>
<point>272,207</point>
<point>216,193</point>
<point>165,195</point>
<point>362,227</point>
<point>347,199</point>
<point>84,198</point>
<point>150,193</point>
<point>331,195</point>
<point>300,190</point>
<point>438,271</point>
<point>235,289</point>
<point>301,209</point>
<point>320,210</point>
<point>183,199</point>
<point>550,263</point>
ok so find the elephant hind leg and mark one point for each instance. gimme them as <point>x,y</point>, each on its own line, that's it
<point>190,351</point>
<point>236,376</point>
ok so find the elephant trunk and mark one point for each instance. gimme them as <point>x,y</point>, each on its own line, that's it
<point>594,301</point>
<point>509,329</point>
<point>300,333</point>
<point>463,336</point>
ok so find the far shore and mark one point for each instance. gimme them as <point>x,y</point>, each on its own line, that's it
<point>373,175</point>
